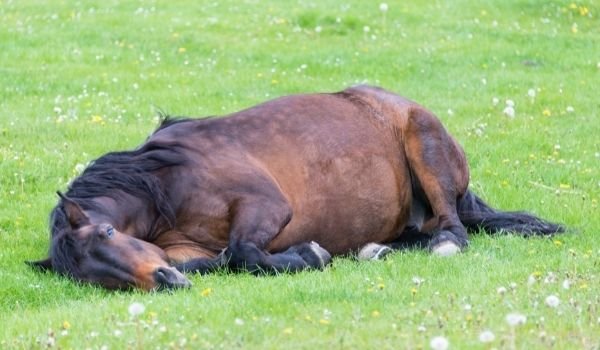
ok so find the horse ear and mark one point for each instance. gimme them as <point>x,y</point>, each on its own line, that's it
<point>75,214</point>
<point>42,265</point>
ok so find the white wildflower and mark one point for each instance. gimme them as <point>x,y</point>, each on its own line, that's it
<point>79,168</point>
<point>510,103</point>
<point>383,7</point>
<point>495,101</point>
<point>417,280</point>
<point>509,111</point>
<point>366,29</point>
<point>239,322</point>
<point>515,319</point>
<point>136,309</point>
<point>531,93</point>
<point>570,109</point>
<point>566,284</point>
<point>552,301</point>
<point>486,336</point>
<point>318,29</point>
<point>501,290</point>
<point>439,343</point>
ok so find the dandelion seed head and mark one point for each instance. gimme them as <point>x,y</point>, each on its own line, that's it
<point>439,343</point>
<point>501,290</point>
<point>486,336</point>
<point>509,111</point>
<point>383,7</point>
<point>515,319</point>
<point>136,309</point>
<point>552,301</point>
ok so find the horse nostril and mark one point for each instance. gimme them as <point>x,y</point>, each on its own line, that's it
<point>170,278</point>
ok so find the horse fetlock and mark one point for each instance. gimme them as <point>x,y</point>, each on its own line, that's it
<point>446,243</point>
<point>374,251</point>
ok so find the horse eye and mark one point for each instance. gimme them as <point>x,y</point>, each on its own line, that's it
<point>110,231</point>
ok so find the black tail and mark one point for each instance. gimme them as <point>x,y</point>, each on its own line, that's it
<point>476,215</point>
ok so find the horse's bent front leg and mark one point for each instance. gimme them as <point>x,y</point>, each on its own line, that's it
<point>440,173</point>
<point>256,221</point>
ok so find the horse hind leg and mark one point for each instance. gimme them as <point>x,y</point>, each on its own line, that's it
<point>440,174</point>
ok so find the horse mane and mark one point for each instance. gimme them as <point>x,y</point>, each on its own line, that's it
<point>132,172</point>
<point>168,120</point>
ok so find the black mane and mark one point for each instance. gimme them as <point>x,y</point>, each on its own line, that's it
<point>168,120</point>
<point>129,171</point>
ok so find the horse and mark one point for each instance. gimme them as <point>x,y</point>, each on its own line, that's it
<point>279,187</point>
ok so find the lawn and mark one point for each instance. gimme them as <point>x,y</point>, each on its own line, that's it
<point>513,80</point>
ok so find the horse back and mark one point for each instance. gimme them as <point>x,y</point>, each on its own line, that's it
<point>337,159</point>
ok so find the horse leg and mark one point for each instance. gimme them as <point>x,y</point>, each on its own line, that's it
<point>439,170</point>
<point>202,265</point>
<point>256,221</point>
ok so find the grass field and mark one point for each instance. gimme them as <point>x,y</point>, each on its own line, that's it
<point>79,79</point>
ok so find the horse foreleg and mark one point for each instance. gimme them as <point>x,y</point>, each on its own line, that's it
<point>256,221</point>
<point>440,173</point>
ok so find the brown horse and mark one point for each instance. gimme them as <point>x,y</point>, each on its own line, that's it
<point>277,187</point>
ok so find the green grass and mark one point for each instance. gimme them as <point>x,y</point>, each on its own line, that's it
<point>79,79</point>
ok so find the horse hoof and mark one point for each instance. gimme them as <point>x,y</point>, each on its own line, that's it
<point>321,253</point>
<point>446,248</point>
<point>374,251</point>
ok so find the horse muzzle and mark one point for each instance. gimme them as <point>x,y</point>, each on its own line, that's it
<point>169,278</point>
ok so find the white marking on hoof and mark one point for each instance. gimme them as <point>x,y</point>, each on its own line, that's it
<point>446,249</point>
<point>324,256</point>
<point>373,251</point>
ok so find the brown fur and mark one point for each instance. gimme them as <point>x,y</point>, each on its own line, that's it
<point>341,169</point>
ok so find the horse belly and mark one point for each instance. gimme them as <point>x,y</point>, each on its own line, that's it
<point>347,202</point>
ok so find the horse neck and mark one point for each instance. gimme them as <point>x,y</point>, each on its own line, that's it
<point>130,215</point>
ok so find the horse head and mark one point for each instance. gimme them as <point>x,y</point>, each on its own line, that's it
<point>98,253</point>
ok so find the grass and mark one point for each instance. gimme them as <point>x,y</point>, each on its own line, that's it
<point>79,79</point>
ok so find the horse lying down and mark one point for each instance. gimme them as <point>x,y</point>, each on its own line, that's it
<point>281,186</point>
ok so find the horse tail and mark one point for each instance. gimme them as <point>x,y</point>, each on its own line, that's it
<point>476,215</point>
